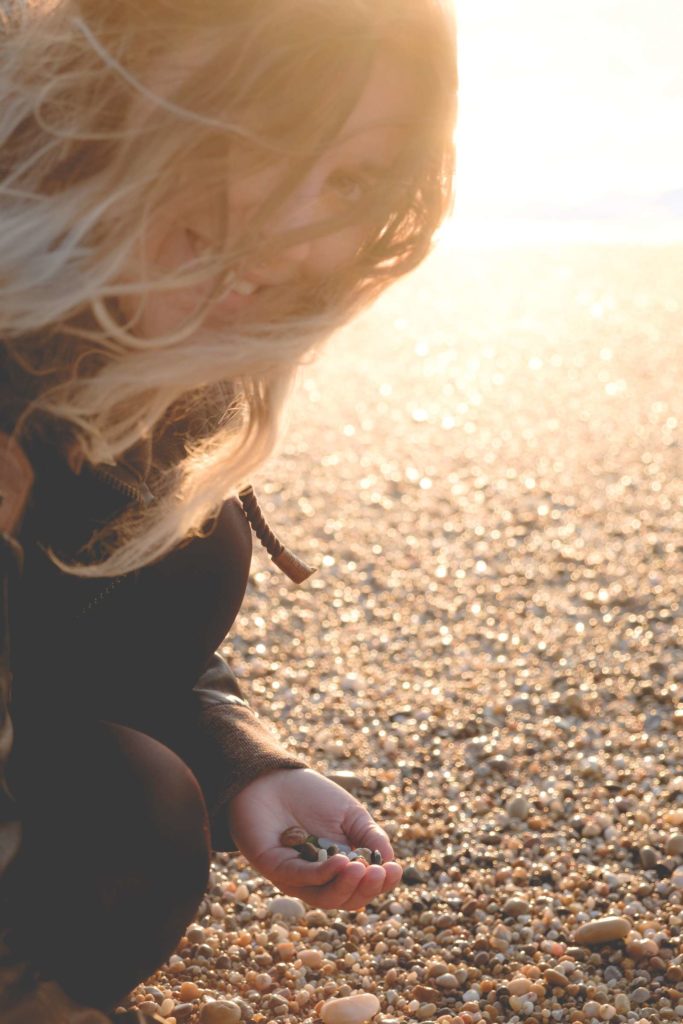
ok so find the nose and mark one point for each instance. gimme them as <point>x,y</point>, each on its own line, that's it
<point>300,211</point>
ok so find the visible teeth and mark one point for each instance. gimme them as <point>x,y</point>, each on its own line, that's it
<point>244,287</point>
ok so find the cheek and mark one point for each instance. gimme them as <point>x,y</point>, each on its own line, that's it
<point>332,252</point>
<point>246,193</point>
<point>157,311</point>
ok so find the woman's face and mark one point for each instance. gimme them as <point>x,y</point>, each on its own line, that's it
<point>359,157</point>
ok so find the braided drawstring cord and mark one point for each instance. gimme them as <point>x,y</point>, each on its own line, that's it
<point>291,566</point>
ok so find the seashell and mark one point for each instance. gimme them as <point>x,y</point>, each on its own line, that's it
<point>293,836</point>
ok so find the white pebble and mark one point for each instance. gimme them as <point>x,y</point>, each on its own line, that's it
<point>350,1009</point>
<point>288,906</point>
<point>446,980</point>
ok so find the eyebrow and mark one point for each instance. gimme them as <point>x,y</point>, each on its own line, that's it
<point>373,167</point>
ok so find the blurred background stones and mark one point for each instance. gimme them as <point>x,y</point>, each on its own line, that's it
<point>487,471</point>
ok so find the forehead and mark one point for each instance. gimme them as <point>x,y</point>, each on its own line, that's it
<point>380,121</point>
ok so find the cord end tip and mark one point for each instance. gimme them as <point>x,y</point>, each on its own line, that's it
<point>294,567</point>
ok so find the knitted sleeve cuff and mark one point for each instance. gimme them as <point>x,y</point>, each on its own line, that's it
<point>236,749</point>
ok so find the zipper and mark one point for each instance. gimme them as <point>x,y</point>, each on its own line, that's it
<point>140,493</point>
<point>100,596</point>
<point>143,496</point>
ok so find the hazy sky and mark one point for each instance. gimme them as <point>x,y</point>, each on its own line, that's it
<point>568,100</point>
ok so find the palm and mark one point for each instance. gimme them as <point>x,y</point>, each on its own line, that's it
<point>274,802</point>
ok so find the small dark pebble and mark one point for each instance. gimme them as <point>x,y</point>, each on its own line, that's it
<point>332,850</point>
<point>648,857</point>
<point>411,876</point>
<point>308,852</point>
<point>375,857</point>
<point>154,992</point>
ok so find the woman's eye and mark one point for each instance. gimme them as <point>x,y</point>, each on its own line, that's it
<point>351,188</point>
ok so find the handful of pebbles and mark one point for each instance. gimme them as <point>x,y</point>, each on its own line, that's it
<point>313,848</point>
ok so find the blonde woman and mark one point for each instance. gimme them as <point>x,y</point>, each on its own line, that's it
<point>192,197</point>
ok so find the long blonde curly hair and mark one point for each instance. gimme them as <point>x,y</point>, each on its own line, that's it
<point>98,134</point>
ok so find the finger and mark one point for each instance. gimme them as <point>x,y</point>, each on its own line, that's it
<point>368,888</point>
<point>362,830</point>
<point>376,839</point>
<point>336,893</point>
<point>300,873</point>
<point>393,874</point>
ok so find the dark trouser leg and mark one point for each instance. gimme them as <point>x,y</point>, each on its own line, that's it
<point>114,858</point>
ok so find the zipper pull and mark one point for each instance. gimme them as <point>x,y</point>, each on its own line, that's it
<point>292,566</point>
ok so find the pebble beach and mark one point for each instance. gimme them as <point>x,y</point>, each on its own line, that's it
<point>486,472</point>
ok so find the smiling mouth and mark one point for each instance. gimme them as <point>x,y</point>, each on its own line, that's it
<point>234,285</point>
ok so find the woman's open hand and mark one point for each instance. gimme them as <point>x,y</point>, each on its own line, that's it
<point>261,812</point>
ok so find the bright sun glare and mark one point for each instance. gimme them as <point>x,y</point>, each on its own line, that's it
<point>569,111</point>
